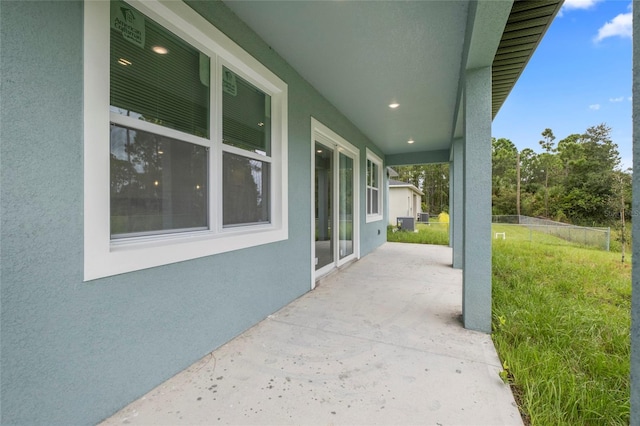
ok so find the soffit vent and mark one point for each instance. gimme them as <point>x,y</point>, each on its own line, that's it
<point>528,22</point>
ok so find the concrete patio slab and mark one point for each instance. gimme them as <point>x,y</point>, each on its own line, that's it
<point>379,342</point>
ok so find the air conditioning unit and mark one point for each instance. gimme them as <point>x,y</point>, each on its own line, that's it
<point>406,223</point>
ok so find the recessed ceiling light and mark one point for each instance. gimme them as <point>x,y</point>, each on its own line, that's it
<point>394,105</point>
<point>319,151</point>
<point>160,50</point>
<point>124,62</point>
<point>410,141</point>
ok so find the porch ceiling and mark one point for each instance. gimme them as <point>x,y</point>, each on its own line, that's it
<point>362,56</point>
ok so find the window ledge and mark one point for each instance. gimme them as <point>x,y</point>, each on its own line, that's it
<point>374,218</point>
<point>142,253</point>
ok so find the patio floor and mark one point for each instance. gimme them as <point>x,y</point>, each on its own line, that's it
<point>379,342</point>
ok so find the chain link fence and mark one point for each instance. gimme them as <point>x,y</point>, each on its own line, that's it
<point>536,227</point>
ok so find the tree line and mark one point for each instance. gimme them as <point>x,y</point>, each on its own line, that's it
<point>575,180</point>
<point>432,180</point>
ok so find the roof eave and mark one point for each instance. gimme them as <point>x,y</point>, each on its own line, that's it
<point>528,22</point>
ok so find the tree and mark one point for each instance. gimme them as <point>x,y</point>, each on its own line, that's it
<point>569,152</point>
<point>529,166</point>
<point>504,176</point>
<point>436,187</point>
<point>548,162</point>
<point>411,174</point>
<point>592,159</point>
<point>575,180</point>
<point>433,180</point>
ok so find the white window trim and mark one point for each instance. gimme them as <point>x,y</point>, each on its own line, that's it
<point>105,257</point>
<point>371,156</point>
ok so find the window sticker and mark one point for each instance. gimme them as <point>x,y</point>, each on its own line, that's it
<point>129,22</point>
<point>229,82</point>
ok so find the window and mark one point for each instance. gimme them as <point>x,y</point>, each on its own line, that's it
<point>374,192</point>
<point>195,133</point>
<point>157,82</point>
<point>246,137</point>
<point>158,184</point>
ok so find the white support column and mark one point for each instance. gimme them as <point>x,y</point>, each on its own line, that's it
<point>456,186</point>
<point>476,255</point>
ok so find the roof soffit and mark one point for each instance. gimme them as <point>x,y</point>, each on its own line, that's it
<point>528,21</point>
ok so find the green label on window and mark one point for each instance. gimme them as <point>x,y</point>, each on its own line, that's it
<point>229,84</point>
<point>129,22</point>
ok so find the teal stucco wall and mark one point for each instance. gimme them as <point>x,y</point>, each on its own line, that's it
<point>74,352</point>
<point>635,278</point>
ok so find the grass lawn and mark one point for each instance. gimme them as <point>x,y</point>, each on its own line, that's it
<point>433,233</point>
<point>561,319</point>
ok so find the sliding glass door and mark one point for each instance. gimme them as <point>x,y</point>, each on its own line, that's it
<point>335,200</point>
<point>324,206</point>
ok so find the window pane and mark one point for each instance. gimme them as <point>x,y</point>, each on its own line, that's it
<point>246,115</point>
<point>345,227</point>
<point>246,190</point>
<point>374,175</point>
<point>158,184</point>
<point>374,202</point>
<point>324,206</point>
<point>155,76</point>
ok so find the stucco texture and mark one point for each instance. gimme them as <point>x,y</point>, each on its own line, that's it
<point>635,305</point>
<point>74,352</point>
<point>476,216</point>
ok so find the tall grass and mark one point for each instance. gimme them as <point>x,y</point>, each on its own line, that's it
<point>433,233</point>
<point>561,319</point>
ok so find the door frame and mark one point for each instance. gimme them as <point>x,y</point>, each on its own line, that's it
<point>326,136</point>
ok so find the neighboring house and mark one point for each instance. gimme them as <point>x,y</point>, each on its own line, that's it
<point>174,172</point>
<point>405,200</point>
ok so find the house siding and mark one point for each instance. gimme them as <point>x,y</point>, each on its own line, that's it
<point>399,204</point>
<point>74,352</point>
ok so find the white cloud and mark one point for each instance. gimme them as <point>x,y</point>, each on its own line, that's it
<point>594,107</point>
<point>577,4</point>
<point>630,98</point>
<point>618,99</point>
<point>619,26</point>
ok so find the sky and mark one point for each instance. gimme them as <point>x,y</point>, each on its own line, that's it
<point>579,77</point>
